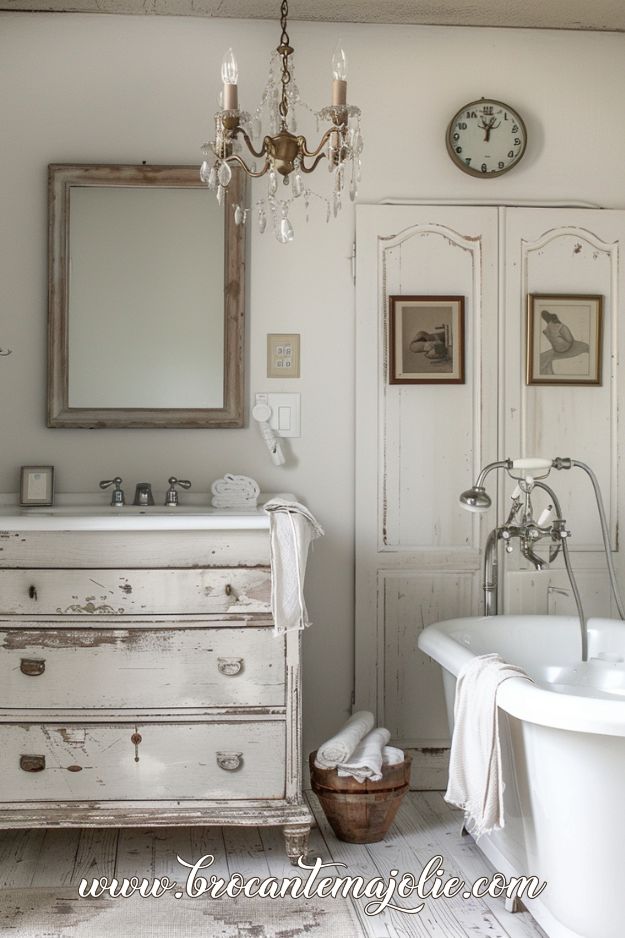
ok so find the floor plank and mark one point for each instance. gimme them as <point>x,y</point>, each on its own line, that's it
<point>244,852</point>
<point>210,841</point>
<point>19,865</point>
<point>96,854</point>
<point>56,859</point>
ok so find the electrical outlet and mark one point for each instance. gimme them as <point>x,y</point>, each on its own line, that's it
<point>283,355</point>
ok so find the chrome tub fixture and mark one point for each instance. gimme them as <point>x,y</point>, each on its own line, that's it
<point>285,154</point>
<point>520,523</point>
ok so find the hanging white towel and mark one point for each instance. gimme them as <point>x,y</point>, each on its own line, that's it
<point>292,527</point>
<point>475,777</point>
<point>340,747</point>
<point>365,761</point>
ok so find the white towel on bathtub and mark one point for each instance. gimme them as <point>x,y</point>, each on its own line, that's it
<point>366,760</point>
<point>475,775</point>
<point>339,748</point>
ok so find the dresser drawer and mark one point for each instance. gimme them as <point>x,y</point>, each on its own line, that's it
<point>72,592</point>
<point>141,668</point>
<point>151,761</point>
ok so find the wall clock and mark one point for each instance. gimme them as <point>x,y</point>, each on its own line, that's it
<point>486,138</point>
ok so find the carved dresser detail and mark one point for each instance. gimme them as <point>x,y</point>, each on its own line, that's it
<point>141,682</point>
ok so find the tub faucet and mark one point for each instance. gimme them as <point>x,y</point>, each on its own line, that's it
<point>143,494</point>
<point>520,523</point>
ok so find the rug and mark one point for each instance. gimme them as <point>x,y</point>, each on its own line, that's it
<point>61,913</point>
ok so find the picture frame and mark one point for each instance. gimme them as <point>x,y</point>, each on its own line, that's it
<point>564,339</point>
<point>426,340</point>
<point>36,486</point>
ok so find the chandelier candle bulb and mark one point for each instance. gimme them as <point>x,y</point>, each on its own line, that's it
<point>230,78</point>
<point>339,77</point>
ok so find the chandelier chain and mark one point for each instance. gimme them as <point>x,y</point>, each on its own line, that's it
<point>285,50</point>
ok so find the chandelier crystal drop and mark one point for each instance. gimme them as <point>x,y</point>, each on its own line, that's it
<point>287,159</point>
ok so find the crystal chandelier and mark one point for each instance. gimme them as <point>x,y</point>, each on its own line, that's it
<point>284,153</point>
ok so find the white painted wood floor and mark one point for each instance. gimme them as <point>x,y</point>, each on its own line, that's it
<point>425,827</point>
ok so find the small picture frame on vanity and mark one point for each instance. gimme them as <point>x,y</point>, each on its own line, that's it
<point>36,486</point>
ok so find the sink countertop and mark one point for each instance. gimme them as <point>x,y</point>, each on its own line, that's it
<point>73,513</point>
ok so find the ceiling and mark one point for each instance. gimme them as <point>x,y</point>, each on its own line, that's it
<point>540,14</point>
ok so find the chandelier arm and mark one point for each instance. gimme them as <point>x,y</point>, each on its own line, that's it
<point>313,166</point>
<point>257,153</point>
<point>304,149</point>
<point>255,174</point>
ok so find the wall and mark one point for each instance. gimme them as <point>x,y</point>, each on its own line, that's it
<point>88,88</point>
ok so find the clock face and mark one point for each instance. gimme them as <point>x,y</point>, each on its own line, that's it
<point>486,138</point>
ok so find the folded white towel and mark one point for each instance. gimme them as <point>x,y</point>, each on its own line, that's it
<point>340,747</point>
<point>291,529</point>
<point>365,761</point>
<point>392,756</point>
<point>475,777</point>
<point>234,491</point>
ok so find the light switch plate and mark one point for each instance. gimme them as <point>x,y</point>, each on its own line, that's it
<point>285,412</point>
<point>283,355</point>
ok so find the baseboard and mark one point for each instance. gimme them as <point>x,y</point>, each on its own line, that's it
<point>430,768</point>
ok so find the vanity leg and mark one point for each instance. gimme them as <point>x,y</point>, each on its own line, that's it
<point>296,841</point>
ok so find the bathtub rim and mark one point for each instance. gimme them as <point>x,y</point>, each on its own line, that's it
<point>522,698</point>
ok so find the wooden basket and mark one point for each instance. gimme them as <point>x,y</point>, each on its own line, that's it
<point>360,812</point>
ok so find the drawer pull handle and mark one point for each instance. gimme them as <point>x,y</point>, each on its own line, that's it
<point>32,592</point>
<point>229,761</point>
<point>228,590</point>
<point>32,763</point>
<point>230,666</point>
<point>33,667</point>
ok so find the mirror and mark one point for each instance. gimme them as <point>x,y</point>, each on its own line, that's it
<point>145,298</point>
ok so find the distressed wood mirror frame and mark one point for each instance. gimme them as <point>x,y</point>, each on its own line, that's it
<point>61,179</point>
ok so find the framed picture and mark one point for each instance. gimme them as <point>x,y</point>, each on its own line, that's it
<point>564,338</point>
<point>37,485</point>
<point>426,340</point>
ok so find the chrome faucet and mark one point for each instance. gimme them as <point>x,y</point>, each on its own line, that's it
<point>520,523</point>
<point>143,494</point>
<point>117,495</point>
<point>171,496</point>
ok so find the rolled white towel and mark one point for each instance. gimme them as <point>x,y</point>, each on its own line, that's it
<point>234,491</point>
<point>339,748</point>
<point>392,756</point>
<point>366,760</point>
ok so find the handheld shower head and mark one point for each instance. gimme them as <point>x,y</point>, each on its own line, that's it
<point>475,499</point>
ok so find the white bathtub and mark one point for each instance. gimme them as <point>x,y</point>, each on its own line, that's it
<point>563,746</point>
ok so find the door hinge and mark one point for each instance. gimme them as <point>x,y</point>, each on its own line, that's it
<point>353,260</point>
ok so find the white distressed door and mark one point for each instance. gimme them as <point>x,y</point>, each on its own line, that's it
<point>570,251</point>
<point>418,447</point>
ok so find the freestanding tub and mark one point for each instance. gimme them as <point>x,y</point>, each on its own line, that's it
<point>563,749</point>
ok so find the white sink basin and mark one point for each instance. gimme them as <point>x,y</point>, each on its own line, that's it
<point>130,518</point>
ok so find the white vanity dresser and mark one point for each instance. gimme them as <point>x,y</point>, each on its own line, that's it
<point>141,682</point>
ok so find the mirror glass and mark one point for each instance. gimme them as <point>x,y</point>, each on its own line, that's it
<point>142,329</point>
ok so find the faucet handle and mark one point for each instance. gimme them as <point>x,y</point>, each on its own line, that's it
<point>183,483</point>
<point>117,495</point>
<point>171,496</point>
